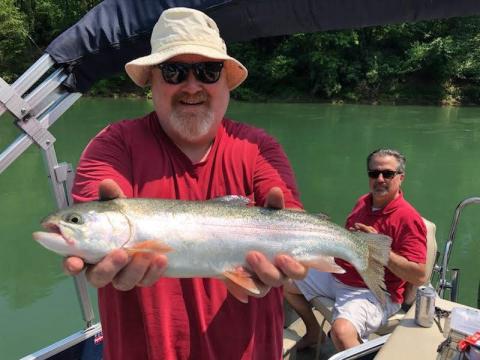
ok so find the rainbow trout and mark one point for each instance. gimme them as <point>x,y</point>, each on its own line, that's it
<point>211,238</point>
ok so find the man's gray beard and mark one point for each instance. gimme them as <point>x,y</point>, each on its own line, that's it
<point>380,190</point>
<point>192,126</point>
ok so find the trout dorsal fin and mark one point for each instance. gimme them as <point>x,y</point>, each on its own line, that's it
<point>234,200</point>
<point>322,216</point>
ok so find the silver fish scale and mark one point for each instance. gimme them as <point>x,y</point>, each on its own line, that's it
<point>200,229</point>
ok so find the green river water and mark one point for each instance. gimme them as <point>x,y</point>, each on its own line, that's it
<point>327,146</point>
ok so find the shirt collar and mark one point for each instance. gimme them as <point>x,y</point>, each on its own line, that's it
<point>391,206</point>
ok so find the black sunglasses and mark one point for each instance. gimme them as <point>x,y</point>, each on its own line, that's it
<point>207,72</point>
<point>387,174</point>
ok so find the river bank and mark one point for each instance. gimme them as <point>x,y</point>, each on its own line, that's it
<point>413,94</point>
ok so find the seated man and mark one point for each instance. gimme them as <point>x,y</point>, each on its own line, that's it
<point>357,313</point>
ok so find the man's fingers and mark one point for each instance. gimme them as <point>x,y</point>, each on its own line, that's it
<point>109,190</point>
<point>105,271</point>
<point>277,274</point>
<point>73,265</point>
<point>144,269</point>
<point>124,272</point>
<point>156,269</point>
<point>132,273</point>
<point>290,267</point>
<point>365,228</point>
<point>268,273</point>
<point>275,198</point>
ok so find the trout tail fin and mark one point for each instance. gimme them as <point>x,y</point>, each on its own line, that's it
<point>378,254</point>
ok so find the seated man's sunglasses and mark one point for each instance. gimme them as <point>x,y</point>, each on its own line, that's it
<point>207,72</point>
<point>387,174</point>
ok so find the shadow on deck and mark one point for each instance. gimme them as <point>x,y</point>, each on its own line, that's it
<point>293,333</point>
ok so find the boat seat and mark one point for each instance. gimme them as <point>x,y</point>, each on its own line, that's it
<point>325,305</point>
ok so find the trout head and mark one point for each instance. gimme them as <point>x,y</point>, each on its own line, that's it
<point>85,232</point>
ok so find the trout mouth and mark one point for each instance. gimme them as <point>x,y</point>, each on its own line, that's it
<point>54,231</point>
<point>53,228</point>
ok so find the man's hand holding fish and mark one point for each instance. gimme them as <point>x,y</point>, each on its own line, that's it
<point>117,267</point>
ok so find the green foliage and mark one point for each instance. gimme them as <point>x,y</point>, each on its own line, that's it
<point>13,38</point>
<point>435,61</point>
<point>28,26</point>
<point>116,86</point>
<point>45,21</point>
<point>431,61</point>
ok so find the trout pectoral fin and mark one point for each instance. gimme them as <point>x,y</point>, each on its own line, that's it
<point>247,281</point>
<point>149,246</point>
<point>236,291</point>
<point>324,264</point>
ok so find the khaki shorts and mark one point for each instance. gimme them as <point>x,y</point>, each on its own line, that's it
<point>358,305</point>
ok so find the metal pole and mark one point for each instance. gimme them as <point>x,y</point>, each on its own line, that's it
<point>34,114</point>
<point>443,283</point>
<point>31,76</point>
<point>61,179</point>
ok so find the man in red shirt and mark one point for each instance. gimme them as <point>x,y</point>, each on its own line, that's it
<point>357,313</point>
<point>186,149</point>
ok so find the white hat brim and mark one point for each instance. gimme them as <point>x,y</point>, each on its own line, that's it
<point>139,69</point>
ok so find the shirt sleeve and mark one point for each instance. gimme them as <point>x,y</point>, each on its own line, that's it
<point>272,169</point>
<point>412,235</point>
<point>105,157</point>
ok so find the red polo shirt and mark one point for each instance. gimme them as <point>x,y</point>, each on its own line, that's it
<point>187,318</point>
<point>403,224</point>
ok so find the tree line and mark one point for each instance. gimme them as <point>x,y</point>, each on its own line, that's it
<point>431,62</point>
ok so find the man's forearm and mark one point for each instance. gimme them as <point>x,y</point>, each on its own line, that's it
<point>407,270</point>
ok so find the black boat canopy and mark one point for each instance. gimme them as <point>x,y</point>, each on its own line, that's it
<point>117,31</point>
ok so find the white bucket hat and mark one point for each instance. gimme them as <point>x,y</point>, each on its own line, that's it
<point>185,31</point>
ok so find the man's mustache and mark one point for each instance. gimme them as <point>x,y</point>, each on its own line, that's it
<point>201,96</point>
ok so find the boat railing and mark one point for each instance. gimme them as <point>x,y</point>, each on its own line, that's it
<point>363,351</point>
<point>449,278</point>
<point>36,100</point>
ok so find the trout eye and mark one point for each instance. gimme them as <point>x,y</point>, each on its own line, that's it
<point>74,218</point>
